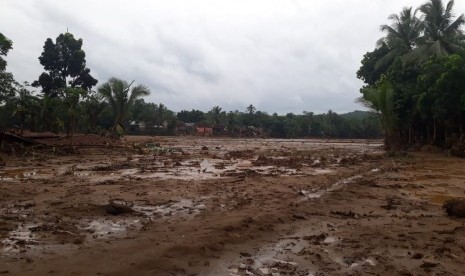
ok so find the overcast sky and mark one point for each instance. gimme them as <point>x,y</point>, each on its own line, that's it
<point>279,55</point>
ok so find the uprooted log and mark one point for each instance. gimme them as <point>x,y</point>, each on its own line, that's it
<point>14,144</point>
<point>455,208</point>
<point>6,137</point>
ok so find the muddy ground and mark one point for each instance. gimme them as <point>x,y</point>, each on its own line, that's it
<point>202,206</point>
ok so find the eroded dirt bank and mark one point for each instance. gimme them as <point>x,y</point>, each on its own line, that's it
<point>186,206</point>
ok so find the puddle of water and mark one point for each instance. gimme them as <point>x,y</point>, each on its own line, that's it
<point>30,173</point>
<point>8,179</point>
<point>105,227</point>
<point>371,261</point>
<point>100,228</point>
<point>83,173</point>
<point>129,171</point>
<point>329,240</point>
<point>334,187</point>
<point>184,206</point>
<point>244,164</point>
<point>207,166</point>
<point>322,171</point>
<point>196,169</point>
<point>18,238</point>
<point>209,169</point>
<point>17,174</point>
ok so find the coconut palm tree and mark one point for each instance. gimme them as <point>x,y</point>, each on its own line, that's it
<point>121,95</point>
<point>442,34</point>
<point>215,115</point>
<point>404,32</point>
<point>402,36</point>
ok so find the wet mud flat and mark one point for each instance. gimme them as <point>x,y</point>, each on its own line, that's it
<point>201,206</point>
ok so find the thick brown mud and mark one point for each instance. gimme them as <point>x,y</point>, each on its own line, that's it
<point>203,206</point>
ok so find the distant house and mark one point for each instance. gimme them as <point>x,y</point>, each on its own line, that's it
<point>204,131</point>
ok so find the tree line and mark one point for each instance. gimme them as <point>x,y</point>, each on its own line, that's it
<point>415,77</point>
<point>66,98</point>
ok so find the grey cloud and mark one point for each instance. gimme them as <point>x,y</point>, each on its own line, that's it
<point>282,56</point>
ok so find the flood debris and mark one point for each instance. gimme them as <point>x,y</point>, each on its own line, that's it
<point>346,214</point>
<point>118,207</point>
<point>455,208</point>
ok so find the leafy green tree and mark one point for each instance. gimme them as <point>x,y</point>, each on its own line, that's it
<point>443,94</point>
<point>148,113</point>
<point>381,101</point>
<point>121,96</point>
<point>65,64</point>
<point>93,105</point>
<point>251,109</point>
<point>5,46</point>
<point>7,82</point>
<point>26,108</point>
<point>193,116</point>
<point>65,82</point>
<point>372,65</point>
<point>73,110</point>
<point>308,118</point>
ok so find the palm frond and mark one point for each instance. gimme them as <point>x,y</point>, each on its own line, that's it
<point>119,94</point>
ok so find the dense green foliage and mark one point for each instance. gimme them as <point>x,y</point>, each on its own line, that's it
<point>66,102</point>
<point>6,78</point>
<point>65,65</point>
<point>357,124</point>
<point>415,77</point>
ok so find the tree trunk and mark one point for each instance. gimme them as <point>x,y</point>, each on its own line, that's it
<point>32,124</point>
<point>460,126</point>
<point>445,131</point>
<point>410,133</point>
<point>434,131</point>
<point>428,133</point>
<point>92,123</point>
